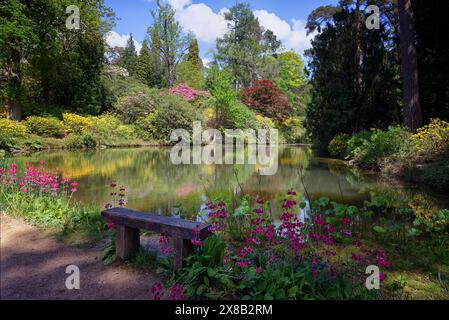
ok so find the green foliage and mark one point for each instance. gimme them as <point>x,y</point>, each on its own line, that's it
<point>436,224</point>
<point>293,130</point>
<point>108,130</point>
<point>292,80</point>
<point>58,213</point>
<point>338,145</point>
<point>129,58</point>
<point>172,113</point>
<point>172,41</point>
<point>76,123</point>
<point>242,48</point>
<point>188,73</point>
<point>193,57</point>
<point>436,175</point>
<point>130,108</point>
<point>80,141</point>
<point>368,149</point>
<point>231,113</point>
<point>46,127</point>
<point>204,274</point>
<point>346,60</point>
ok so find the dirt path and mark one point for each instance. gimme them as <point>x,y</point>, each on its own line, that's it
<point>33,264</point>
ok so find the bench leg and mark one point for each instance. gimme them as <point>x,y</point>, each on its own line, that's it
<point>127,241</point>
<point>182,248</point>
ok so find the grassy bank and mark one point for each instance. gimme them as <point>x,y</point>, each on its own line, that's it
<point>421,157</point>
<point>44,199</point>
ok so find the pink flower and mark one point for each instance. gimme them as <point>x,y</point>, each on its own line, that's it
<point>73,190</point>
<point>158,291</point>
<point>177,292</point>
<point>23,190</point>
<point>74,184</point>
<point>243,263</point>
<point>196,243</point>
<point>110,225</point>
<point>259,270</point>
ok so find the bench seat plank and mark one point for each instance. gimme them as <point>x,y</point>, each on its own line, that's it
<point>172,227</point>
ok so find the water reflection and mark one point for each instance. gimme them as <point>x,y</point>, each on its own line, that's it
<point>156,185</point>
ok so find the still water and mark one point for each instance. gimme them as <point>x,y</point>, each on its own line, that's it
<point>154,184</point>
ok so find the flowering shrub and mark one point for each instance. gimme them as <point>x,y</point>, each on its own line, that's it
<point>12,129</point>
<point>130,108</point>
<point>432,140</point>
<point>76,123</point>
<point>46,127</point>
<point>36,180</point>
<point>338,145</point>
<point>185,92</point>
<point>291,259</point>
<point>44,197</point>
<point>176,292</point>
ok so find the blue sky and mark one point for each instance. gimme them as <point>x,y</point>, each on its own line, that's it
<point>204,18</point>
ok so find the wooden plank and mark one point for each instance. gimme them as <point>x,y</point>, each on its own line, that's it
<point>172,227</point>
<point>183,248</point>
<point>127,241</point>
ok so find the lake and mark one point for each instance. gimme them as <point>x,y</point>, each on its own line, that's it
<point>154,184</point>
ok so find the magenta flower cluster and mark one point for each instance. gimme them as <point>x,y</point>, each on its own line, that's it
<point>36,179</point>
<point>177,292</point>
<point>185,92</point>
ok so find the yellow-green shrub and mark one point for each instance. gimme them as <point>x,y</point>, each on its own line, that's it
<point>46,127</point>
<point>125,132</point>
<point>12,129</point>
<point>292,129</point>
<point>145,126</point>
<point>2,112</point>
<point>432,140</point>
<point>264,122</point>
<point>338,145</point>
<point>76,123</point>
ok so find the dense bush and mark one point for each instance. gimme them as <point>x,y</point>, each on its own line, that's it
<point>338,145</point>
<point>368,149</point>
<point>80,141</point>
<point>172,113</point>
<point>292,130</point>
<point>437,175</point>
<point>266,99</point>
<point>10,131</point>
<point>432,140</point>
<point>129,108</point>
<point>46,127</point>
<point>108,130</point>
<point>76,123</point>
<point>230,112</point>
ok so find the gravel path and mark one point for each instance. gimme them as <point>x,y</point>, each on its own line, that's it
<point>33,265</point>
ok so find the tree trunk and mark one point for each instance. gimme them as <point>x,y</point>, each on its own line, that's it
<point>409,67</point>
<point>13,110</point>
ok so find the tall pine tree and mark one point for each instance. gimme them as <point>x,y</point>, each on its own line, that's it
<point>129,57</point>
<point>194,55</point>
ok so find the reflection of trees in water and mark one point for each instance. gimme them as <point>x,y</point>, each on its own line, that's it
<point>153,182</point>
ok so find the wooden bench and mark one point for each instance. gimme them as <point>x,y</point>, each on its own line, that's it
<point>129,222</point>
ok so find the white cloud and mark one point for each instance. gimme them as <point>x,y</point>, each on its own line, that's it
<point>179,4</point>
<point>207,25</point>
<point>115,39</point>
<point>293,36</point>
<point>198,18</point>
